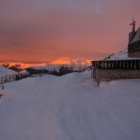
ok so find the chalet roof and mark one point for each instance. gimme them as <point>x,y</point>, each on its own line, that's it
<point>136,37</point>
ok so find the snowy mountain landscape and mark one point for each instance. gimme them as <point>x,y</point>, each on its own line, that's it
<point>68,66</point>
<point>70,107</point>
<point>69,70</point>
<point>75,64</point>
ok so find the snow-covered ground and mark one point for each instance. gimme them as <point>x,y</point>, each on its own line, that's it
<point>4,71</point>
<point>70,107</point>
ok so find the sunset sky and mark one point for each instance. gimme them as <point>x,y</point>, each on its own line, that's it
<point>38,31</point>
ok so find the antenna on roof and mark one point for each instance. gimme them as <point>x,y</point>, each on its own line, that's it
<point>133,18</point>
<point>133,24</point>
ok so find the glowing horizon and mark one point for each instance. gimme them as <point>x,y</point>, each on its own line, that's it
<point>60,61</point>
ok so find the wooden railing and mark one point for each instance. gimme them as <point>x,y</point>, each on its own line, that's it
<point>11,78</point>
<point>8,78</point>
<point>117,64</point>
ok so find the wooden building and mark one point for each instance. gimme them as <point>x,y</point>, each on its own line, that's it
<point>134,42</point>
<point>107,70</point>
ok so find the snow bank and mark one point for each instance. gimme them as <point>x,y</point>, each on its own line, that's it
<point>4,71</point>
<point>70,108</point>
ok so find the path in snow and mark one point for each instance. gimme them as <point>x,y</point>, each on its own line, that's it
<point>70,108</point>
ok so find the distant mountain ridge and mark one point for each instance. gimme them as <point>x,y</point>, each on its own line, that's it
<point>54,69</point>
<point>79,64</point>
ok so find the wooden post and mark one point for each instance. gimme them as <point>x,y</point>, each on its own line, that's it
<point>105,65</point>
<point>92,71</point>
<point>135,65</point>
<point>109,64</point>
<point>96,68</point>
<point>2,85</point>
<point>97,77</point>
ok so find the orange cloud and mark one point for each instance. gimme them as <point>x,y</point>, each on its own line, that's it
<point>20,65</point>
<point>80,62</point>
<point>69,61</point>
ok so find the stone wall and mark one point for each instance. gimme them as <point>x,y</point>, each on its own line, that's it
<point>115,69</point>
<point>108,74</point>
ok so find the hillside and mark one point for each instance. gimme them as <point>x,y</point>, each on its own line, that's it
<point>70,107</point>
<point>4,71</point>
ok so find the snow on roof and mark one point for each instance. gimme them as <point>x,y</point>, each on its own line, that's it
<point>122,55</point>
<point>137,36</point>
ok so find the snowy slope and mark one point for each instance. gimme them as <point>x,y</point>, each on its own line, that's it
<point>122,55</point>
<point>70,108</point>
<point>4,71</point>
